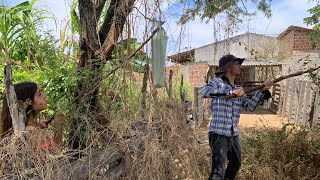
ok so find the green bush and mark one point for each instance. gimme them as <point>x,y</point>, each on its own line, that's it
<point>289,153</point>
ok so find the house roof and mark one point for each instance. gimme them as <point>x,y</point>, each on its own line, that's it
<point>236,37</point>
<point>292,28</point>
<point>188,56</point>
<point>182,57</point>
<point>252,63</point>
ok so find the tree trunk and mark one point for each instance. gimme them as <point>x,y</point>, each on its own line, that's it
<point>96,47</point>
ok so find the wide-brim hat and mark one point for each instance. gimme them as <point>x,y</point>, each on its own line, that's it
<point>225,61</point>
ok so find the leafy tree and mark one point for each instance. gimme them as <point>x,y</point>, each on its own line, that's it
<point>100,24</point>
<point>34,55</point>
<point>208,9</point>
<point>18,25</point>
<point>314,20</point>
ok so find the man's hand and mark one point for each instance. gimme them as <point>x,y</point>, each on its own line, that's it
<point>267,85</point>
<point>238,92</point>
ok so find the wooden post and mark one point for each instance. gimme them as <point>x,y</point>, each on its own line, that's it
<point>202,107</point>
<point>275,103</point>
<point>285,99</point>
<point>273,98</point>
<point>17,111</point>
<point>291,94</point>
<point>196,105</point>
<point>154,91</point>
<point>300,102</point>
<point>170,83</point>
<point>182,95</point>
<point>307,103</point>
<point>316,109</point>
<point>281,96</point>
<point>144,90</point>
<point>267,73</point>
<point>272,73</point>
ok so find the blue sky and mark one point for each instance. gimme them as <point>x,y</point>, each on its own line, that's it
<point>196,33</point>
<point>284,14</point>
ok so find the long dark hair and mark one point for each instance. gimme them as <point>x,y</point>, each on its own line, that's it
<point>24,91</point>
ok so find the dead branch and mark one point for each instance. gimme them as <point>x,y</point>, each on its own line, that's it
<point>262,86</point>
<point>275,81</point>
<point>109,38</point>
<point>107,162</point>
<point>106,25</point>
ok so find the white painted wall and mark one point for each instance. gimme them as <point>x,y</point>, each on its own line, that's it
<point>213,52</point>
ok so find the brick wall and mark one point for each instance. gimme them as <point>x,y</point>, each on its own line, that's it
<point>177,70</point>
<point>288,41</point>
<point>302,43</point>
<point>297,40</point>
<point>196,73</point>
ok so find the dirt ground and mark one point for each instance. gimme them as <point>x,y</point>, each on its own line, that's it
<point>249,123</point>
<point>260,118</point>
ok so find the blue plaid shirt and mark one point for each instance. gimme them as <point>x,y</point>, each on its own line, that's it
<point>226,113</point>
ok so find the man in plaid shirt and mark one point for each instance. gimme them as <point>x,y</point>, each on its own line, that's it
<point>223,130</point>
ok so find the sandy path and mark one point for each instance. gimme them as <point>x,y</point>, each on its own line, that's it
<point>260,118</point>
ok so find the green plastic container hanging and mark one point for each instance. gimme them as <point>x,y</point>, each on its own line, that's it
<point>159,46</point>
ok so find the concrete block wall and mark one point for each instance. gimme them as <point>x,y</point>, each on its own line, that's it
<point>239,46</point>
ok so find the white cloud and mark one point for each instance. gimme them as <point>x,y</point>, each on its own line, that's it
<point>284,14</point>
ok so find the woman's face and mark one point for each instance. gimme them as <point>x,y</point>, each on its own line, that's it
<point>40,100</point>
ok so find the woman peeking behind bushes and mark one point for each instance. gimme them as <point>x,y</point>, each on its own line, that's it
<point>34,100</point>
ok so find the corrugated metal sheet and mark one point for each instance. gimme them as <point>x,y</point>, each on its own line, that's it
<point>253,63</point>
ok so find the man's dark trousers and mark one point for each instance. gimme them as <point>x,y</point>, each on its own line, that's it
<point>224,148</point>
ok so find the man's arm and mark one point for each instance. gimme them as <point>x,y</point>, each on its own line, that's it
<point>250,104</point>
<point>215,88</point>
